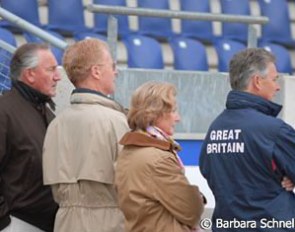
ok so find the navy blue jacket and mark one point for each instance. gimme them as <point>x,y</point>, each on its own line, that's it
<point>246,152</point>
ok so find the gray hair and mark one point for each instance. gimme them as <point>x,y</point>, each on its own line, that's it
<point>246,63</point>
<point>25,57</point>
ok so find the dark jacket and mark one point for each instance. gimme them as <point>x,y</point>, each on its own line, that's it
<point>23,123</point>
<point>245,154</point>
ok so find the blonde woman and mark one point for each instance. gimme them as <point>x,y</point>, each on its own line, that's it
<point>153,192</point>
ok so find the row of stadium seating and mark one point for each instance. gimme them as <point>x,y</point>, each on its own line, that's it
<point>67,18</point>
<point>188,53</point>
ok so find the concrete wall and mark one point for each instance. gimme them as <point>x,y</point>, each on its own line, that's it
<point>201,95</point>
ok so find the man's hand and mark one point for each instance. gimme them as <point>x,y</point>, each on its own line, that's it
<point>287,184</point>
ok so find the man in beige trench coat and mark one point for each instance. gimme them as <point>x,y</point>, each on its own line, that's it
<point>81,144</point>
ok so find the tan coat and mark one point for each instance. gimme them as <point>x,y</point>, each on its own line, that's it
<point>80,149</point>
<point>153,192</point>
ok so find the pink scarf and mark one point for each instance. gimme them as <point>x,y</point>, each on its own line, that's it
<point>161,135</point>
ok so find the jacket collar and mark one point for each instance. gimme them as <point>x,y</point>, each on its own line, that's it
<point>33,95</point>
<point>143,140</point>
<point>87,96</point>
<point>84,90</point>
<point>242,100</point>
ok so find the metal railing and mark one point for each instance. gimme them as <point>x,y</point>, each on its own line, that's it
<point>252,35</point>
<point>6,46</point>
<point>6,51</point>
<point>176,14</point>
<point>23,24</point>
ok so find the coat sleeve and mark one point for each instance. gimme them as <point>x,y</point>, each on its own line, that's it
<point>4,210</point>
<point>284,151</point>
<point>119,129</point>
<point>173,191</point>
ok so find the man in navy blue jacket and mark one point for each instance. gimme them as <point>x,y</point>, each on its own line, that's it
<point>247,151</point>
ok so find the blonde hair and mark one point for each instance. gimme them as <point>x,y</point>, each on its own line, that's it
<point>81,56</point>
<point>149,102</point>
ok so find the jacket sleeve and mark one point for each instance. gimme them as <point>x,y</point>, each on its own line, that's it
<point>173,191</point>
<point>284,151</point>
<point>4,210</point>
<point>119,129</point>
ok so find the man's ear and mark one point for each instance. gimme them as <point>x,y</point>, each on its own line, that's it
<point>28,76</point>
<point>95,72</point>
<point>256,82</point>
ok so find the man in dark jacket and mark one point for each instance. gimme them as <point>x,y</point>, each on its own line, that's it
<point>248,151</point>
<point>25,203</point>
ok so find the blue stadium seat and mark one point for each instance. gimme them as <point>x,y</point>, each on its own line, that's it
<point>159,28</point>
<point>143,52</point>
<point>189,54</point>
<point>26,9</point>
<point>201,30</point>
<point>236,31</point>
<point>283,58</point>
<point>66,17</point>
<point>101,20</point>
<point>7,36</point>
<point>278,29</point>
<point>5,57</point>
<point>58,53</point>
<point>225,49</point>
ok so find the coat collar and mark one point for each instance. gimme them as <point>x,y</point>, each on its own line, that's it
<point>33,95</point>
<point>242,100</point>
<point>143,140</point>
<point>93,97</point>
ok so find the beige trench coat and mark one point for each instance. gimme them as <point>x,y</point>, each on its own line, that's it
<point>80,150</point>
<point>153,192</point>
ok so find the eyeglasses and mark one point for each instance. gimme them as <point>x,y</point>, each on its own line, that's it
<point>114,66</point>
